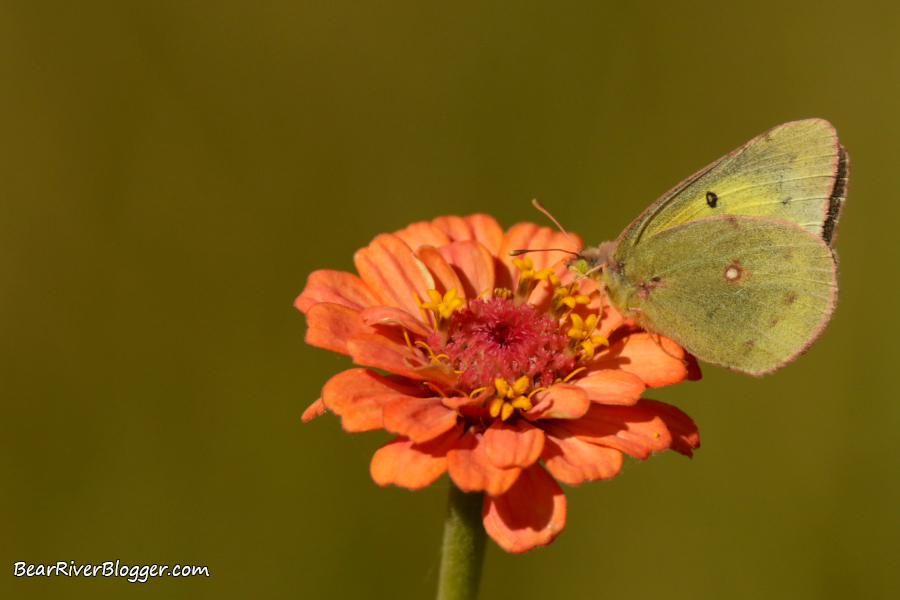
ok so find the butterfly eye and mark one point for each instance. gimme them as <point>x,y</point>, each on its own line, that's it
<point>580,266</point>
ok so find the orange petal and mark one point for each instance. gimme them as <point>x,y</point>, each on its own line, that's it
<point>316,409</point>
<point>445,277</point>
<point>456,227</point>
<point>612,387</point>
<point>438,372</point>
<point>560,401</point>
<point>693,368</point>
<point>624,428</point>
<point>514,443</point>
<point>419,419</point>
<point>383,352</point>
<point>421,234</point>
<point>643,356</point>
<point>479,227</point>
<point>530,514</point>
<point>685,437</point>
<point>388,268</point>
<point>358,395</point>
<point>575,461</point>
<point>473,264</point>
<point>486,231</point>
<point>516,238</point>
<point>455,402</point>
<point>410,465</point>
<point>330,326</point>
<point>611,320</point>
<point>386,315</point>
<point>471,470</point>
<point>528,236</point>
<point>336,287</point>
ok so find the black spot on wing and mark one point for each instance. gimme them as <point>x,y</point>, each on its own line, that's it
<point>712,199</point>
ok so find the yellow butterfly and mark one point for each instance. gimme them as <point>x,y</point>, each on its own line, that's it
<point>735,263</point>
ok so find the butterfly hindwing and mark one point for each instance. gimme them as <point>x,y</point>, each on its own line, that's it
<point>748,293</point>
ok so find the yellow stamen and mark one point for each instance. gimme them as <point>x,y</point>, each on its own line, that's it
<point>442,307</point>
<point>521,403</point>
<point>564,290</point>
<point>545,275</point>
<point>476,391</point>
<point>521,384</point>
<point>581,334</point>
<point>599,340</point>
<point>565,298</point>
<point>576,332</point>
<point>509,397</point>
<point>408,343</point>
<point>573,373</point>
<point>427,347</point>
<point>529,278</point>
<point>588,349</point>
<point>435,388</point>
<point>525,265</point>
<point>535,391</point>
<point>496,405</point>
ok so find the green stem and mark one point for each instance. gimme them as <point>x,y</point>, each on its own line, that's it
<point>463,550</point>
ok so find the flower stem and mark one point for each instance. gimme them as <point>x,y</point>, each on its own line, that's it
<point>463,549</point>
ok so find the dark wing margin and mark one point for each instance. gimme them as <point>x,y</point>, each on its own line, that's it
<point>837,197</point>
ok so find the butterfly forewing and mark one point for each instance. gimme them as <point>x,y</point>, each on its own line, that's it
<point>795,172</point>
<point>751,295</point>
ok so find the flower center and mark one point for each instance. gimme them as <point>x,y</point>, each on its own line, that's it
<point>495,339</point>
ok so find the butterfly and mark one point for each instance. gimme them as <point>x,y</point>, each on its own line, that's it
<point>735,263</point>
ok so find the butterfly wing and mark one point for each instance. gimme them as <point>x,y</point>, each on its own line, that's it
<point>747,293</point>
<point>795,172</point>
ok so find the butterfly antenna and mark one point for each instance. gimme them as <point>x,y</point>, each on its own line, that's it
<point>521,252</point>
<point>541,208</point>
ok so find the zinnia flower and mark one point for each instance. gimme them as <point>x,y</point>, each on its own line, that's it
<point>505,372</point>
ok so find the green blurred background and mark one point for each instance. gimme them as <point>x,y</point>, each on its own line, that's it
<point>173,171</point>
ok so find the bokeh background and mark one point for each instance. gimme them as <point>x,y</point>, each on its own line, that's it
<point>172,171</point>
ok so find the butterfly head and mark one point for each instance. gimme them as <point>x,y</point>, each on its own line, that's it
<point>591,262</point>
